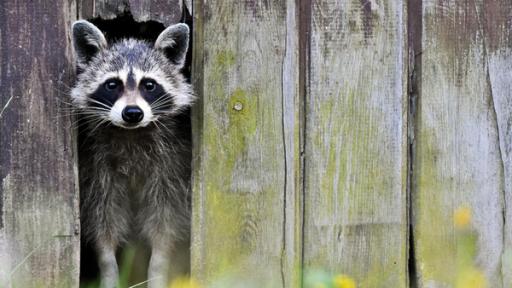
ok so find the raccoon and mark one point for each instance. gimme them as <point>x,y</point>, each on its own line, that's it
<point>134,158</point>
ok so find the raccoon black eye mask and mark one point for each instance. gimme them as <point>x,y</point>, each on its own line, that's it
<point>112,89</point>
<point>134,160</point>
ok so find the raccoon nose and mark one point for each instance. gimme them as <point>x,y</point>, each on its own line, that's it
<point>132,114</point>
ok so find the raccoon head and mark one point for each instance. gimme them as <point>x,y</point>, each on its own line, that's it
<point>131,83</point>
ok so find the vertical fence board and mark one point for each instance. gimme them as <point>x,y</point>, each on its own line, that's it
<point>246,221</point>
<point>39,230</point>
<point>356,144</point>
<point>497,18</point>
<point>458,170</point>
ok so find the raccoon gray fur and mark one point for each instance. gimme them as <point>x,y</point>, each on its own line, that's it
<point>134,160</point>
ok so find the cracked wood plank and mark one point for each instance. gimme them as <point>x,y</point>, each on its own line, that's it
<point>39,230</point>
<point>246,219</point>
<point>166,12</point>
<point>457,161</point>
<point>356,142</point>
<point>497,19</point>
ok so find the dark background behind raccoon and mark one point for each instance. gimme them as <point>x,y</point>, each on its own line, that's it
<point>121,27</point>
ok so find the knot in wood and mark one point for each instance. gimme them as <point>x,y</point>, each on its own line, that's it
<point>238,106</point>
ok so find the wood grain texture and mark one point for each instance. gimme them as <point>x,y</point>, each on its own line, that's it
<point>356,142</point>
<point>247,219</point>
<point>39,229</point>
<point>166,12</point>
<point>458,164</point>
<point>496,17</point>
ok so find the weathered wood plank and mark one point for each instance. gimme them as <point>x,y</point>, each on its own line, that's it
<point>166,12</point>
<point>247,220</point>
<point>39,229</point>
<point>457,164</point>
<point>356,142</point>
<point>497,18</point>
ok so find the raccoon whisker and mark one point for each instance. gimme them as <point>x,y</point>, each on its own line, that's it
<point>61,91</point>
<point>164,96</point>
<point>92,110</point>
<point>70,112</point>
<point>82,111</point>
<point>97,110</point>
<point>161,99</point>
<point>161,113</point>
<point>70,104</point>
<point>66,115</point>
<point>82,114</point>
<point>171,133</point>
<point>87,120</point>
<point>68,109</point>
<point>64,84</point>
<point>162,104</point>
<point>102,121</point>
<point>62,100</point>
<point>82,127</point>
<point>78,125</point>
<point>93,115</point>
<point>89,132</point>
<point>98,122</point>
<point>85,111</point>
<point>158,126</point>
<point>99,103</point>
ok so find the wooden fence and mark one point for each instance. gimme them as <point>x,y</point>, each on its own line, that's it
<point>352,137</point>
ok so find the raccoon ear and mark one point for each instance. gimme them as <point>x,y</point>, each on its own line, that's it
<point>173,41</point>
<point>87,41</point>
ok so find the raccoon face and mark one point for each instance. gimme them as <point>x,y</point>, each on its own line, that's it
<point>131,83</point>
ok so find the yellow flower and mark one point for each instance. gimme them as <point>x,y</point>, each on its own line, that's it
<point>471,278</point>
<point>343,281</point>
<point>184,282</point>
<point>462,217</point>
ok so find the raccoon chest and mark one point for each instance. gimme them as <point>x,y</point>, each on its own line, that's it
<point>132,171</point>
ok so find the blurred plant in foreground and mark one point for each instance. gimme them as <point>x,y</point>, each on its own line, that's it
<point>462,217</point>
<point>468,275</point>
<point>184,282</point>
<point>322,279</point>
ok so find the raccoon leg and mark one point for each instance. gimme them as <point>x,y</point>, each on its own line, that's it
<point>108,265</point>
<point>159,262</point>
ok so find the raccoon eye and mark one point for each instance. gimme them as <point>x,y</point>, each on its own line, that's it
<point>149,85</point>
<point>111,85</point>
